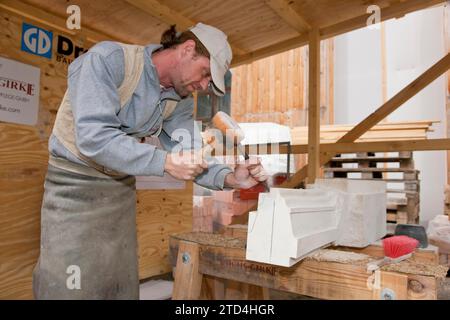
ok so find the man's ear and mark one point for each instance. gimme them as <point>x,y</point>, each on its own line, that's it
<point>189,48</point>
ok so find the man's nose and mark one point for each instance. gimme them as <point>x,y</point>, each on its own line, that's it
<point>204,83</point>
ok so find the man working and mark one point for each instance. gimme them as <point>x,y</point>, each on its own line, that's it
<point>118,94</point>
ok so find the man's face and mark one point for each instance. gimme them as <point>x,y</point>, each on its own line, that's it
<point>193,72</point>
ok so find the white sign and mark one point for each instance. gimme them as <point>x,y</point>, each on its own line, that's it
<point>19,92</point>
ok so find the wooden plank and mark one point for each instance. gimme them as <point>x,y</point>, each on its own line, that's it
<point>160,213</point>
<point>425,256</point>
<point>314,106</point>
<point>447,105</point>
<point>370,159</point>
<point>188,278</point>
<point>23,165</point>
<point>169,16</point>
<point>370,170</point>
<point>289,15</point>
<point>393,11</point>
<point>352,147</point>
<point>393,286</point>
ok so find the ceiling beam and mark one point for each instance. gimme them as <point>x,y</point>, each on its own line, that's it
<point>394,11</point>
<point>169,16</point>
<point>289,15</point>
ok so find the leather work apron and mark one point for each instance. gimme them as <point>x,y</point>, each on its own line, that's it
<point>88,216</point>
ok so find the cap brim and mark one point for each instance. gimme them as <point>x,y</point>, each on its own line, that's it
<point>218,78</point>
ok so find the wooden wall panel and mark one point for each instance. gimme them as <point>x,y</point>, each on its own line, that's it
<point>160,213</point>
<point>23,165</point>
<point>275,89</point>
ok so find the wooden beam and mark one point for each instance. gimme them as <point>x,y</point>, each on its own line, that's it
<point>320,279</point>
<point>404,95</point>
<point>189,279</point>
<point>54,21</point>
<point>350,147</point>
<point>289,15</point>
<point>394,11</point>
<point>170,16</point>
<point>400,98</point>
<point>314,106</point>
<point>447,108</point>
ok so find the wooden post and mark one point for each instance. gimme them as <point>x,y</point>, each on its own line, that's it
<point>447,45</point>
<point>391,286</point>
<point>314,106</point>
<point>188,279</point>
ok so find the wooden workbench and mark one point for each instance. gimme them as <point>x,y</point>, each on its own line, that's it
<point>213,266</point>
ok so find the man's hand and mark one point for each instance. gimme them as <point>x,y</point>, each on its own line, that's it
<point>185,165</point>
<point>246,175</point>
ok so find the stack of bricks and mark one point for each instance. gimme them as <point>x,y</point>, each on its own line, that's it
<point>228,204</point>
<point>202,220</point>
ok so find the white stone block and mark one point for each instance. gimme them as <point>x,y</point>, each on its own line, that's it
<point>292,223</point>
<point>363,215</point>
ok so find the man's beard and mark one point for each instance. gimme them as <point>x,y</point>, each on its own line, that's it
<point>182,90</point>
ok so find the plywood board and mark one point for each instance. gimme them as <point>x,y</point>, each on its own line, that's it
<point>23,165</point>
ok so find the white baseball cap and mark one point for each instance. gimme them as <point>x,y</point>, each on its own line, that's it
<point>215,41</point>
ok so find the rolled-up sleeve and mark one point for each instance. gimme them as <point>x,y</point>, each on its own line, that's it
<point>95,104</point>
<point>179,126</point>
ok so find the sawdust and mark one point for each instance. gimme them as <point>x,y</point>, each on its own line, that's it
<point>212,239</point>
<point>411,267</point>
<point>329,255</point>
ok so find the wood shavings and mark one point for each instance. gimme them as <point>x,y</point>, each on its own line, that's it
<point>411,267</point>
<point>211,239</point>
<point>339,256</point>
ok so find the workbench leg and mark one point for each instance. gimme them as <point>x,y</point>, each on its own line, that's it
<point>390,286</point>
<point>188,279</point>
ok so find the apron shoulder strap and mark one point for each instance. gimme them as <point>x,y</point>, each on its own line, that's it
<point>169,108</point>
<point>134,65</point>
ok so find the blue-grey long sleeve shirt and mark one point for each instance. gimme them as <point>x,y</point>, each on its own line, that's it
<point>107,133</point>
